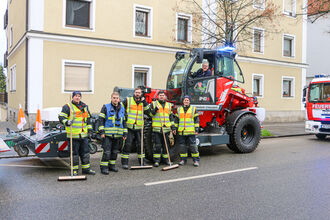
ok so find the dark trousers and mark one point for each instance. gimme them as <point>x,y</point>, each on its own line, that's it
<point>131,136</point>
<point>80,149</point>
<point>185,142</point>
<point>111,148</point>
<point>159,149</point>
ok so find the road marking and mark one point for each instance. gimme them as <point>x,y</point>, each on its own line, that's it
<point>199,176</point>
<point>31,166</point>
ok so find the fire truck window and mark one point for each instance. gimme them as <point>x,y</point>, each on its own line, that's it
<point>326,93</point>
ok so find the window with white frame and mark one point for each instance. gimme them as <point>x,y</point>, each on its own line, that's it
<point>288,87</point>
<point>142,21</point>
<point>288,46</point>
<point>141,76</point>
<point>78,76</point>
<point>12,78</point>
<point>258,40</point>
<point>11,36</point>
<point>79,13</point>
<point>289,7</point>
<point>258,85</point>
<point>184,28</point>
<point>260,4</point>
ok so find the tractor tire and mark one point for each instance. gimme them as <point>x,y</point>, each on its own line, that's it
<point>22,151</point>
<point>147,140</point>
<point>321,136</point>
<point>246,134</point>
<point>92,148</point>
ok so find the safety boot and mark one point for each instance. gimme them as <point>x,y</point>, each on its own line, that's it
<point>75,172</point>
<point>89,171</point>
<point>156,164</point>
<point>104,170</point>
<point>182,162</point>
<point>196,163</point>
<point>112,167</point>
<point>125,166</point>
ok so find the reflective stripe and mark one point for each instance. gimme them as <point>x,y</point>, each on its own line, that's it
<point>79,122</point>
<point>157,155</point>
<point>104,164</point>
<point>63,114</point>
<point>165,156</point>
<point>76,167</point>
<point>112,162</point>
<point>186,120</point>
<point>195,155</point>
<point>162,116</point>
<point>102,115</point>
<point>184,155</point>
<point>143,155</point>
<point>126,156</point>
<point>134,113</point>
<point>85,166</point>
<point>101,128</point>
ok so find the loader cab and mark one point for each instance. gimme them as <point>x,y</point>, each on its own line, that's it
<point>182,79</point>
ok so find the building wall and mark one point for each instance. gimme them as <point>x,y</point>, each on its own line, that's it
<point>112,67</point>
<point>16,19</point>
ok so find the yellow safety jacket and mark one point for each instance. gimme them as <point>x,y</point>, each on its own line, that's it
<point>79,122</point>
<point>134,114</point>
<point>162,117</point>
<point>186,124</point>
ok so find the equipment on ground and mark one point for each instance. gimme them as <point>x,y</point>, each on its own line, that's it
<point>227,114</point>
<point>317,103</point>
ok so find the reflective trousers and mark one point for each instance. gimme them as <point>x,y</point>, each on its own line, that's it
<point>131,136</point>
<point>185,142</point>
<point>111,148</point>
<point>159,149</point>
<point>80,149</point>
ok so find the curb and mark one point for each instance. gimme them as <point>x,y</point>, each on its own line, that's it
<point>283,136</point>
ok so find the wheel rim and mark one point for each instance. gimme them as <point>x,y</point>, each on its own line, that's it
<point>247,134</point>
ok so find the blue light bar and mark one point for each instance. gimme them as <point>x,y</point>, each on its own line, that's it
<point>319,76</point>
<point>226,49</point>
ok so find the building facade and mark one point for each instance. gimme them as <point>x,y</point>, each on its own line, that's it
<point>55,47</point>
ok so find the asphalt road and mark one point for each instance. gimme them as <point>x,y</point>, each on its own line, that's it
<point>285,178</point>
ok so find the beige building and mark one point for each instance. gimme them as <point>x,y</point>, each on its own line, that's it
<point>55,47</point>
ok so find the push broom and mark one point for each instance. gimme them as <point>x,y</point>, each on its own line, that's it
<point>72,177</point>
<point>142,166</point>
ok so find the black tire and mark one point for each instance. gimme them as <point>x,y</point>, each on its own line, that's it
<point>22,151</point>
<point>246,134</point>
<point>321,136</point>
<point>92,148</point>
<point>147,140</point>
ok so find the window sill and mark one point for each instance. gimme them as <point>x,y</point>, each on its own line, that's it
<point>256,52</point>
<point>83,92</point>
<point>291,57</point>
<point>142,36</point>
<point>183,42</point>
<point>78,28</point>
<point>287,97</point>
<point>290,15</point>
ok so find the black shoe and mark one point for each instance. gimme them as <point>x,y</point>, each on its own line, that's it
<point>89,172</point>
<point>196,163</point>
<point>156,164</point>
<point>105,170</point>
<point>125,166</point>
<point>182,162</point>
<point>75,172</point>
<point>113,168</point>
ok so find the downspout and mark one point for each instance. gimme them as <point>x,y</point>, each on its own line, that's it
<point>26,58</point>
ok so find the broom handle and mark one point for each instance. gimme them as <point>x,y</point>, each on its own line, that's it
<point>168,154</point>
<point>142,140</point>
<point>71,159</point>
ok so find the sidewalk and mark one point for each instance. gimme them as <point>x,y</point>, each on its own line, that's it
<point>285,129</point>
<point>4,125</point>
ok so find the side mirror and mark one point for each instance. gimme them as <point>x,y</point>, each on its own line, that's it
<point>200,53</point>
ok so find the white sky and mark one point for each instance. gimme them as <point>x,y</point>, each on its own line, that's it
<point>3,47</point>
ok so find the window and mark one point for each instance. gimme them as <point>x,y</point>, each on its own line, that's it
<point>258,40</point>
<point>78,75</point>
<point>78,13</point>
<point>288,87</point>
<point>258,85</point>
<point>142,21</point>
<point>288,46</point>
<point>184,28</point>
<point>141,76</point>
<point>290,7</point>
<point>13,78</point>
<point>11,36</point>
<point>259,4</point>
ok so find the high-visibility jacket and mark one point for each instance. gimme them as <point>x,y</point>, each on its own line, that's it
<point>162,117</point>
<point>114,124</point>
<point>134,114</point>
<point>187,125</point>
<point>79,121</point>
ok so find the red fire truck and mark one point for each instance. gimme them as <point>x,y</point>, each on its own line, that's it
<point>317,98</point>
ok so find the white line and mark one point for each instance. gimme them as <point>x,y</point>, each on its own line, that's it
<point>200,176</point>
<point>30,166</point>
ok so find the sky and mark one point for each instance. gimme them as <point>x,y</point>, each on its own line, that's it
<point>3,7</point>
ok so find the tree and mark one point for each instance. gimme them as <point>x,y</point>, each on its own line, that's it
<point>227,22</point>
<point>2,80</point>
<point>317,9</point>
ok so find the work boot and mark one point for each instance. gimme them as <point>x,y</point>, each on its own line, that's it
<point>182,162</point>
<point>125,166</point>
<point>89,172</point>
<point>143,162</point>
<point>156,164</point>
<point>112,167</point>
<point>196,163</point>
<point>104,170</point>
<point>75,172</point>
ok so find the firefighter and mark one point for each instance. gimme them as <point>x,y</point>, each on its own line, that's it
<point>76,115</point>
<point>162,121</point>
<point>135,107</point>
<point>112,128</point>
<point>187,122</point>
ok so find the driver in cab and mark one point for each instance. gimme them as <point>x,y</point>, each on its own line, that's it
<point>204,71</point>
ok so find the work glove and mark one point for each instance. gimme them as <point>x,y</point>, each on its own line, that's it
<point>68,123</point>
